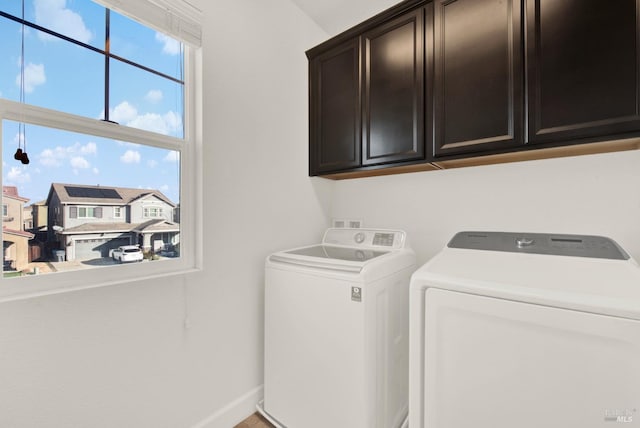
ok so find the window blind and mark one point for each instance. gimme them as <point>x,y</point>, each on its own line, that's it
<point>176,18</point>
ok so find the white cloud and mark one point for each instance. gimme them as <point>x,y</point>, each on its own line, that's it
<point>166,124</point>
<point>164,188</point>
<point>96,171</point>
<point>169,46</point>
<point>123,113</point>
<point>172,157</point>
<point>34,75</point>
<point>173,120</point>
<point>18,175</point>
<point>130,156</point>
<point>126,114</point>
<point>51,157</point>
<point>152,163</point>
<point>53,14</point>
<point>19,139</point>
<point>89,149</point>
<point>78,162</point>
<point>154,96</point>
<point>55,157</point>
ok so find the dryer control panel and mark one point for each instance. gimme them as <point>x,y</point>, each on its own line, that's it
<point>541,243</point>
<point>374,238</point>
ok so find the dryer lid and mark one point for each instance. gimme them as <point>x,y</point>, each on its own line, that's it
<point>574,278</point>
<point>599,247</point>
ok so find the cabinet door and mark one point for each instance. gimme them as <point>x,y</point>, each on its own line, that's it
<point>582,68</point>
<point>478,89</point>
<point>334,110</point>
<point>393,92</point>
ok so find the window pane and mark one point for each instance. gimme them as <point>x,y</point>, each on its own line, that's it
<point>145,46</point>
<point>144,100</point>
<point>10,54</point>
<point>76,186</point>
<point>81,20</point>
<point>58,74</point>
<point>62,76</point>
<point>12,7</point>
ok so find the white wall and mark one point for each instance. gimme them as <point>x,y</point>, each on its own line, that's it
<point>186,351</point>
<point>595,194</point>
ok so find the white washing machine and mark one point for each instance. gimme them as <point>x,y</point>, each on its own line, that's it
<point>525,330</point>
<point>336,332</point>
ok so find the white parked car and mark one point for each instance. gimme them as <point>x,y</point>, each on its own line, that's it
<point>127,253</point>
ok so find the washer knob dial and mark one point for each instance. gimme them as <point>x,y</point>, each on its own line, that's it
<point>359,238</point>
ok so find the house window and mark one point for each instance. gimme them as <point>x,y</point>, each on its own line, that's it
<point>106,104</point>
<point>152,212</point>
<point>86,212</point>
<point>5,210</point>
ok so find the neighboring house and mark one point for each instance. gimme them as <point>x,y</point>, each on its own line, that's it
<point>89,221</point>
<point>27,218</point>
<point>15,240</point>
<point>176,214</point>
<point>39,216</point>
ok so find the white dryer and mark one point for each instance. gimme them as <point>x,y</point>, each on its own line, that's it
<point>525,330</point>
<point>336,331</point>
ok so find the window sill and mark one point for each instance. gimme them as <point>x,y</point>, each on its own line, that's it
<point>63,282</point>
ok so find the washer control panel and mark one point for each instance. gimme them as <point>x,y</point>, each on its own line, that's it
<point>378,238</point>
<point>541,243</point>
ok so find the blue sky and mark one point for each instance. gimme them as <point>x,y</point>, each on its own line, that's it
<point>65,77</point>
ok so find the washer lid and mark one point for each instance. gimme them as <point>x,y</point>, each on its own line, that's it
<point>338,253</point>
<point>329,257</point>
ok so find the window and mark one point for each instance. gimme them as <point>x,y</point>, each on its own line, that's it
<point>66,64</point>
<point>5,210</point>
<point>86,212</point>
<point>152,212</point>
<point>105,107</point>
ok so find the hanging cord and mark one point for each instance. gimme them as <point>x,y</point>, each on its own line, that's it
<point>21,153</point>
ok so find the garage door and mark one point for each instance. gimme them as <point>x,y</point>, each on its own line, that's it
<point>95,248</point>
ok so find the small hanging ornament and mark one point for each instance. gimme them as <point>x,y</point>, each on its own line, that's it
<point>21,155</point>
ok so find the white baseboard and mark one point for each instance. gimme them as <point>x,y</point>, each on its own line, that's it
<point>234,412</point>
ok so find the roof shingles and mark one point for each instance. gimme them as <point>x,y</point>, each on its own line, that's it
<point>127,195</point>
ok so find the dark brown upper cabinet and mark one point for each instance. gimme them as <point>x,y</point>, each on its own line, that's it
<point>478,71</point>
<point>446,83</point>
<point>366,95</point>
<point>583,71</point>
<point>334,109</point>
<point>393,90</point>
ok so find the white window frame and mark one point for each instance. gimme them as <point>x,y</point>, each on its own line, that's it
<point>190,149</point>
<point>5,210</point>
<point>146,211</point>
<point>117,212</point>
<point>86,211</point>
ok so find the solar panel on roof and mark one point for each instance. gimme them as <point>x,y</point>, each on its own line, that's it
<point>92,192</point>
